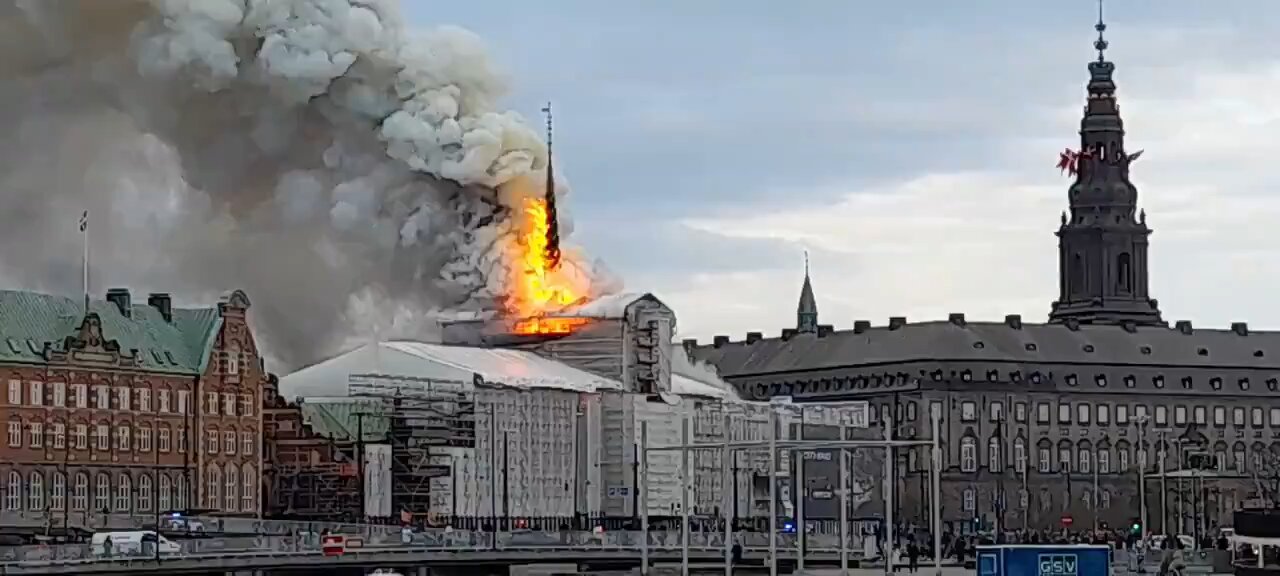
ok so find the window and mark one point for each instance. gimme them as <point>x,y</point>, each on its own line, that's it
<point>212,496</point>
<point>1082,414</point>
<point>124,491</point>
<point>102,493</point>
<point>123,398</point>
<point>144,493</point>
<point>80,395</point>
<point>248,479</point>
<point>59,395</point>
<point>228,404</point>
<point>1219,416</point>
<point>232,492</point>
<point>102,438</point>
<point>1024,498</point>
<point>211,441</point>
<point>1198,415</point>
<point>1085,461</point>
<point>13,495</point>
<point>1237,416</point>
<point>1106,500</point>
<point>1104,414</point>
<point>1019,456</point>
<point>997,411</point>
<point>37,397</point>
<point>1064,413</point>
<point>81,437</point>
<point>166,492</point>
<point>80,494</point>
<point>15,434</point>
<point>1139,411</point>
<point>1064,459</point>
<point>970,500</point>
<point>59,435</point>
<point>122,439</point>
<point>1045,463</point>
<point>1162,416</point>
<point>229,441</point>
<point>1122,414</point>
<point>182,440</point>
<point>247,443</point>
<point>180,492</point>
<point>144,405</point>
<point>1275,416</point>
<point>968,454</point>
<point>15,392</point>
<point>1104,461</point>
<point>993,455</point>
<point>163,439</point>
<point>211,403</point>
<point>968,411</point>
<point>101,397</point>
<point>35,492</point>
<point>144,439</point>
<point>233,360</point>
<point>1179,415</point>
<point>1122,458</point>
<point>1255,417</point>
<point>162,397</point>
<point>1238,458</point>
<point>58,496</point>
<point>37,434</point>
<point>1020,412</point>
<point>184,401</point>
<point>1042,412</point>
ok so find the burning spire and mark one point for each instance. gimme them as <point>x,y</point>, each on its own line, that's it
<point>553,221</point>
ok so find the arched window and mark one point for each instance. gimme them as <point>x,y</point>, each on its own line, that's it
<point>13,496</point>
<point>58,495</point>
<point>1019,455</point>
<point>212,497</point>
<point>1124,273</point>
<point>1075,283</point>
<point>248,479</point>
<point>1238,457</point>
<point>80,494</point>
<point>968,454</point>
<point>144,493</point>
<point>35,491</point>
<point>232,492</point>
<point>102,493</point>
<point>124,493</point>
<point>166,490</point>
<point>181,492</point>
<point>993,454</point>
<point>1086,461</point>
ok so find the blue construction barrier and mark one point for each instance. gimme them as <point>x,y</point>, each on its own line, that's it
<point>1036,560</point>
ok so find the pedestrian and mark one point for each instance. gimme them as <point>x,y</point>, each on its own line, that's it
<point>913,556</point>
<point>106,547</point>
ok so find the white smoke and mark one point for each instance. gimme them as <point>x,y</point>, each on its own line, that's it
<point>342,169</point>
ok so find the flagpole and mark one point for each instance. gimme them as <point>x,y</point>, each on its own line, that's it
<point>84,233</point>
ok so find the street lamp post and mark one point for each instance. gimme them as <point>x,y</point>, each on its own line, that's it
<point>1141,424</point>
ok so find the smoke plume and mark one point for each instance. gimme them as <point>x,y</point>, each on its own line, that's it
<point>353,176</point>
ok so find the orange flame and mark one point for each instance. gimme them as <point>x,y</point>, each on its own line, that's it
<point>539,289</point>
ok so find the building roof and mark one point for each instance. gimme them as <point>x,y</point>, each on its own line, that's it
<point>515,368</point>
<point>609,307</point>
<point>28,320</point>
<point>337,417</point>
<point>1009,341</point>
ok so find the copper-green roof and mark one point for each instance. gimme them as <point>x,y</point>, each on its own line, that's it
<point>28,320</point>
<point>336,418</point>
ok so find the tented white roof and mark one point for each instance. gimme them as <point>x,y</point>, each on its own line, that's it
<point>514,368</point>
<point>608,307</point>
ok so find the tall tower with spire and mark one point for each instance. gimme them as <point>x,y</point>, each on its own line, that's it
<point>549,194</point>
<point>1102,242</point>
<point>807,310</point>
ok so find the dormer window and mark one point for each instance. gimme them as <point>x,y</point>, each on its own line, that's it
<point>1158,381</point>
<point>993,375</point>
<point>966,376</point>
<point>936,375</point>
<point>1016,376</point>
<point>1130,381</point>
<point>1100,380</point>
<point>1215,383</point>
<point>1244,383</point>
<point>1273,384</point>
<point>1035,377</point>
<point>1071,379</point>
<point>1186,382</point>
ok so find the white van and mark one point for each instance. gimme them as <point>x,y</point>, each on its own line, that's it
<point>132,543</point>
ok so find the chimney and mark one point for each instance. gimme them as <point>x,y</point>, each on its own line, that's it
<point>1241,328</point>
<point>720,340</point>
<point>860,326</point>
<point>753,337</point>
<point>896,322</point>
<point>956,318</point>
<point>1013,321</point>
<point>788,333</point>
<point>825,330</point>
<point>162,302</point>
<point>1183,326</point>
<point>120,297</point>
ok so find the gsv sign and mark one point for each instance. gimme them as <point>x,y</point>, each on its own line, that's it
<point>1058,565</point>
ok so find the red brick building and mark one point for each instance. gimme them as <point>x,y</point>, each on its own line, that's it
<point>127,409</point>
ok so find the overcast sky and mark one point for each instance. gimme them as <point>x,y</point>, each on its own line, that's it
<point>910,146</point>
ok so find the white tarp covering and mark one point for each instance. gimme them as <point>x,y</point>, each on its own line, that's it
<point>515,368</point>
<point>377,480</point>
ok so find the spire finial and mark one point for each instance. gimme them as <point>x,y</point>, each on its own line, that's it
<point>806,263</point>
<point>1101,43</point>
<point>547,110</point>
<point>549,196</point>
